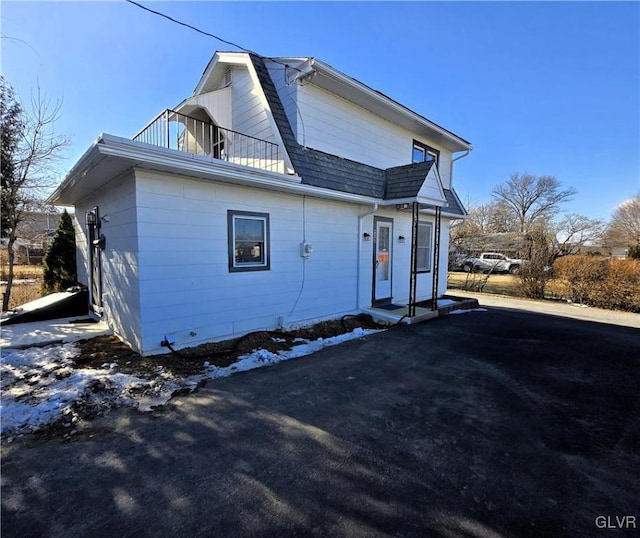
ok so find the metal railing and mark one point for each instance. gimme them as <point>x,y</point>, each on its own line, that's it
<point>173,130</point>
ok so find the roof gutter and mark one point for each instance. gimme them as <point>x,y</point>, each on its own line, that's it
<point>79,170</point>
<point>306,71</point>
<point>465,154</point>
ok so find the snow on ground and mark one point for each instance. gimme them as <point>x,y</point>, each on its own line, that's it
<point>465,311</point>
<point>262,357</point>
<point>49,331</point>
<point>40,384</point>
<point>41,302</point>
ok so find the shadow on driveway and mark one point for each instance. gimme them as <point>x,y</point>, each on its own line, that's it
<point>485,424</point>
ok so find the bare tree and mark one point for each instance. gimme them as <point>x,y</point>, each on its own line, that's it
<point>30,149</point>
<point>494,217</point>
<point>624,227</point>
<point>532,200</point>
<point>500,218</point>
<point>575,231</point>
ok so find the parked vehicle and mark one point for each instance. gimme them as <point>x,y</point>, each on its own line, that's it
<point>492,262</point>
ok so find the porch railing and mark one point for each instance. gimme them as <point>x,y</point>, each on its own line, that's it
<point>173,130</point>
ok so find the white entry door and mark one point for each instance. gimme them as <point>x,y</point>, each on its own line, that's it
<point>382,259</point>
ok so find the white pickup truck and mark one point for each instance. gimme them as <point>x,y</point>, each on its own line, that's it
<point>492,262</point>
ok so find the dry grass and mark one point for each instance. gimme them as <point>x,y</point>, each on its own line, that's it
<point>23,292</point>
<point>21,271</point>
<point>501,284</point>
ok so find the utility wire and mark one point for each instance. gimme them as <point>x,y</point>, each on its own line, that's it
<point>210,35</point>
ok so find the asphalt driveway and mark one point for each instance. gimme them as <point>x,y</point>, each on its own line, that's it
<point>494,423</point>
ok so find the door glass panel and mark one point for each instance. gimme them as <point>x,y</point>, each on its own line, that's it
<point>383,253</point>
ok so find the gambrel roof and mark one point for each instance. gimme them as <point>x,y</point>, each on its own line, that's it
<point>309,170</point>
<point>328,171</point>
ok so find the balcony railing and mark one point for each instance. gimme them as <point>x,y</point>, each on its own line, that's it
<point>173,130</point>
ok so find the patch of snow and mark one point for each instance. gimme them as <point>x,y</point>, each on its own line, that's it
<point>262,357</point>
<point>19,281</point>
<point>40,385</point>
<point>446,302</point>
<point>50,331</point>
<point>465,311</point>
<point>44,301</point>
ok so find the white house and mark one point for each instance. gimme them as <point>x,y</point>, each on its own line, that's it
<point>283,192</point>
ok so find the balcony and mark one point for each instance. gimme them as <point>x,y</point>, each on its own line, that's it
<point>173,130</point>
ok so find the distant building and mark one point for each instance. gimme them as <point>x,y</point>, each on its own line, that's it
<point>511,244</point>
<point>35,231</point>
<point>619,252</point>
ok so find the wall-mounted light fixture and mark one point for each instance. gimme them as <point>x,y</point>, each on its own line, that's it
<point>366,236</point>
<point>402,207</point>
<point>101,242</point>
<point>401,239</point>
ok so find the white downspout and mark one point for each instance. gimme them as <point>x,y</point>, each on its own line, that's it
<point>465,154</point>
<point>360,217</point>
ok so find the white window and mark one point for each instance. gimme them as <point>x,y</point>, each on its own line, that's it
<point>422,152</point>
<point>424,246</point>
<point>248,241</point>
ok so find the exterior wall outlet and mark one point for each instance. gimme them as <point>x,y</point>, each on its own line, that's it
<point>306,249</point>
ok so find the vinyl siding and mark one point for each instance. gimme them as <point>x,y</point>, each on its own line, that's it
<point>116,203</point>
<point>288,96</point>
<point>249,115</point>
<point>218,105</point>
<point>187,291</point>
<point>339,127</point>
<point>165,267</point>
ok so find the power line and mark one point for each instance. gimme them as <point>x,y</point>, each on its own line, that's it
<point>209,35</point>
<point>188,26</point>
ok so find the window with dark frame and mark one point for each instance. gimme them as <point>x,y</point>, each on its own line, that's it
<point>248,235</point>
<point>422,152</point>
<point>424,246</point>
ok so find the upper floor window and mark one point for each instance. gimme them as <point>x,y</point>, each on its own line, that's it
<point>248,241</point>
<point>422,152</point>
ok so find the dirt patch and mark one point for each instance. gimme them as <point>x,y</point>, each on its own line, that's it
<point>106,350</point>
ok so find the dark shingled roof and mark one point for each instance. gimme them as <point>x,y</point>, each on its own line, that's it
<point>332,172</point>
<point>405,181</point>
<point>316,167</point>
<point>454,205</point>
<point>327,171</point>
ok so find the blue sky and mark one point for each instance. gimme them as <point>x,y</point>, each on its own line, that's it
<point>540,87</point>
